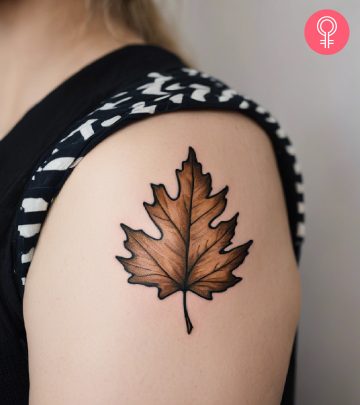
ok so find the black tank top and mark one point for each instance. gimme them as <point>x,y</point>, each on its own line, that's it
<point>41,150</point>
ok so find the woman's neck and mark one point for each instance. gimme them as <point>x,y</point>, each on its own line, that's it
<point>42,42</point>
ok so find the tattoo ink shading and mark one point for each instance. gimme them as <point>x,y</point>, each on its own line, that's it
<point>190,255</point>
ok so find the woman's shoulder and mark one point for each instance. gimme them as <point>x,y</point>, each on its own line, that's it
<point>173,189</point>
<point>203,108</point>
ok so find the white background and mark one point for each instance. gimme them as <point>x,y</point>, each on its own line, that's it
<point>258,48</point>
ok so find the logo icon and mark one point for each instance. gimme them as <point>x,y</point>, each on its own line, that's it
<point>326,32</point>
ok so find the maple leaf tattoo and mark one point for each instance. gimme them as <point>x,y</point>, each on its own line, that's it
<point>190,254</point>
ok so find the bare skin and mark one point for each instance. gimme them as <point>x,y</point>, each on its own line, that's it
<point>93,338</point>
<point>106,341</point>
<point>42,42</point>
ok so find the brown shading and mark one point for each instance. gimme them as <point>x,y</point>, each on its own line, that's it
<point>190,255</point>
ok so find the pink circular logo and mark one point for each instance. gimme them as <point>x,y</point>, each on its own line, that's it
<point>327,32</point>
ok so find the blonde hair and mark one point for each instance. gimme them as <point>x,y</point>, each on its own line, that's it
<point>140,16</point>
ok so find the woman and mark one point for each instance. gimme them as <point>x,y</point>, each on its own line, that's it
<point>124,168</point>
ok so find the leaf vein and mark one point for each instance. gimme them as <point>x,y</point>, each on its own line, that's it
<point>214,271</point>
<point>158,264</point>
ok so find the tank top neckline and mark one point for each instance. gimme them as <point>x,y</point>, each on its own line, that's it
<point>125,59</point>
<point>42,125</point>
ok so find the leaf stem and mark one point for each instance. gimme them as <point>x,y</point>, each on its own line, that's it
<point>189,326</point>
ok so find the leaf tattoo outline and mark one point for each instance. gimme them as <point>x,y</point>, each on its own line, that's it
<point>190,254</point>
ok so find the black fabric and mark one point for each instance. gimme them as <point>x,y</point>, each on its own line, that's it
<point>36,134</point>
<point>47,120</point>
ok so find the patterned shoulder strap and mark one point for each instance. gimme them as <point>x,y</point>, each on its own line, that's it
<point>159,92</point>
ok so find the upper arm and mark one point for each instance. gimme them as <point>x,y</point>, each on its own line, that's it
<point>95,338</point>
